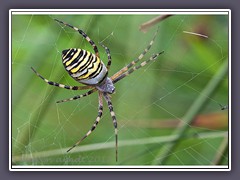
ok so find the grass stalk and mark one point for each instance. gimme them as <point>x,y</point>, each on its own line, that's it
<point>193,111</point>
<point>106,145</point>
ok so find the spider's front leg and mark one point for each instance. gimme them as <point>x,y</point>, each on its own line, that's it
<point>126,68</point>
<point>115,79</point>
<point>100,110</point>
<point>78,96</point>
<point>110,107</point>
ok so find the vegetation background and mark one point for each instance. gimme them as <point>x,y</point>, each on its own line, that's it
<point>171,112</point>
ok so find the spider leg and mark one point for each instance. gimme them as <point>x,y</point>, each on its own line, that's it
<point>108,54</point>
<point>83,34</point>
<point>100,110</point>
<point>61,85</point>
<point>152,58</point>
<point>78,96</point>
<point>110,107</point>
<point>124,69</point>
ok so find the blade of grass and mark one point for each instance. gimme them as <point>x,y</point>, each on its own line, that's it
<point>221,154</point>
<point>192,112</point>
<point>107,145</point>
<point>32,126</point>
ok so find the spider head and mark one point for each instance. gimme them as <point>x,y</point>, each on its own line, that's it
<point>107,86</point>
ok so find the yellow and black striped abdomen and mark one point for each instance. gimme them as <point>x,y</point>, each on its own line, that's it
<point>84,66</point>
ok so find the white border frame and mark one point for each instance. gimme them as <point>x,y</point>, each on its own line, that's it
<point>117,11</point>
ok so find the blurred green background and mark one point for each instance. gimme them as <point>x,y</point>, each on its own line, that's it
<point>149,103</point>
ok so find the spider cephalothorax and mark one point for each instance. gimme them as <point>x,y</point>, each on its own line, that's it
<point>87,68</point>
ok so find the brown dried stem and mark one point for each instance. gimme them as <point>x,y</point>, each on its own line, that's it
<point>145,26</point>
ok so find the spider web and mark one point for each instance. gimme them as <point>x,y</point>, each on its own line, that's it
<point>148,104</point>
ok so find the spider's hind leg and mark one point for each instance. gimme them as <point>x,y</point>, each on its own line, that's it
<point>108,54</point>
<point>83,34</point>
<point>60,85</point>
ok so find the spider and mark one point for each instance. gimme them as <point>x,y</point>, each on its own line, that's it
<point>88,69</point>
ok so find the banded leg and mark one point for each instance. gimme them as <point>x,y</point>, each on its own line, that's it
<point>123,70</point>
<point>109,56</point>
<point>110,107</point>
<point>100,110</point>
<point>61,85</point>
<point>83,34</point>
<point>78,96</point>
<point>136,67</point>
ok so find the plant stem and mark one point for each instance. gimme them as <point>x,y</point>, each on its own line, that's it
<point>106,145</point>
<point>221,153</point>
<point>192,112</point>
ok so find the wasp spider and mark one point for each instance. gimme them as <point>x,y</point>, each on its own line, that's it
<point>87,68</point>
